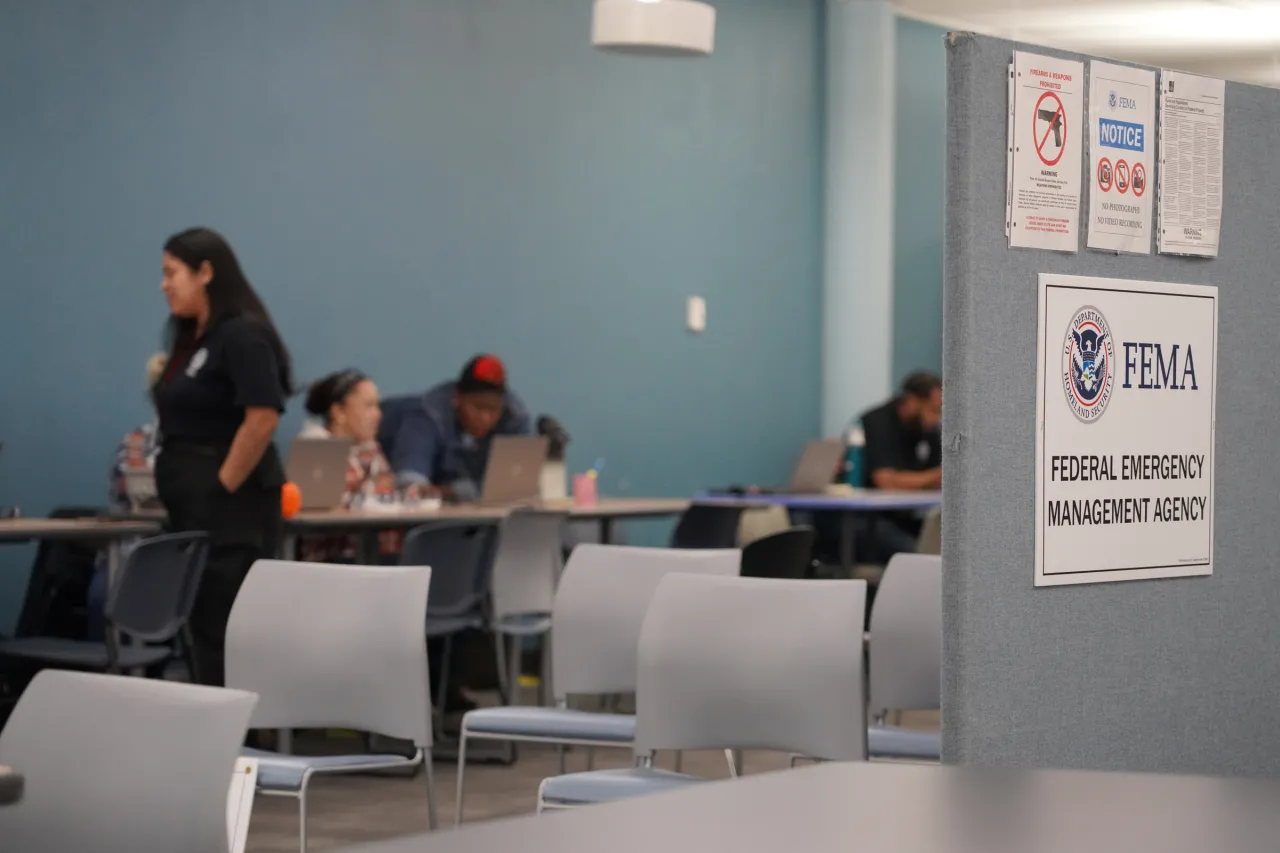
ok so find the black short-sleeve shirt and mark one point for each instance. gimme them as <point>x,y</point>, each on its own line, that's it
<point>209,383</point>
<point>891,444</point>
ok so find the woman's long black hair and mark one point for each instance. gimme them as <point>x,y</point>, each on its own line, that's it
<point>230,294</point>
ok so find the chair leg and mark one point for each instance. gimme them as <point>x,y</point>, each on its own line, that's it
<point>679,760</point>
<point>302,820</point>
<point>505,692</point>
<point>462,769</point>
<point>562,751</point>
<point>591,758</point>
<point>442,686</point>
<point>735,759</point>
<point>428,766</point>
<point>513,676</point>
<point>189,652</point>
<point>544,677</point>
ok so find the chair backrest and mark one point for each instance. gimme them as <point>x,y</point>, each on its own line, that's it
<point>753,663</point>
<point>527,562</point>
<point>905,649</point>
<point>600,606</point>
<point>156,590</point>
<point>338,646</point>
<point>930,541</point>
<point>787,554</point>
<point>114,763</point>
<point>461,554</point>
<point>710,526</point>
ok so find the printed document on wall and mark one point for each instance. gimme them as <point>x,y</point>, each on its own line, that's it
<point>1192,112</point>
<point>1122,116</point>
<point>1125,402</point>
<point>1048,126</point>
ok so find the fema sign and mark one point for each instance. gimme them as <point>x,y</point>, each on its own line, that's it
<point>1125,405</point>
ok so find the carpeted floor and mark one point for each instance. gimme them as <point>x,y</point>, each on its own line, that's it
<point>347,810</point>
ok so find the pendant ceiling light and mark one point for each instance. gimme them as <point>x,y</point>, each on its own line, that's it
<point>654,27</point>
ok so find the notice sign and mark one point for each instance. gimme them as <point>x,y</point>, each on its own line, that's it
<point>1125,425</point>
<point>1122,116</point>
<point>1048,126</point>
<point>1192,110</point>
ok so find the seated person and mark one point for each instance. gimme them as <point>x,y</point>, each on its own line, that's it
<point>137,451</point>
<point>441,440</point>
<point>346,406</point>
<point>903,453</point>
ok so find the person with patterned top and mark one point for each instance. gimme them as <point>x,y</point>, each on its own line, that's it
<point>136,452</point>
<point>346,406</point>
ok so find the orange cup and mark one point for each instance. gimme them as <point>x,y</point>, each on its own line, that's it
<point>290,499</point>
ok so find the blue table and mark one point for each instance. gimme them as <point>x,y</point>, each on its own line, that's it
<point>848,506</point>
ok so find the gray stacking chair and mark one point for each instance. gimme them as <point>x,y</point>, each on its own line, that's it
<point>598,610</point>
<point>461,552</point>
<point>738,663</point>
<point>905,655</point>
<point>149,603</point>
<point>526,567</point>
<point>333,646</point>
<point>119,764</point>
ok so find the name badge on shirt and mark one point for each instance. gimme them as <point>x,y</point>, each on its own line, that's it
<point>197,361</point>
<point>922,451</point>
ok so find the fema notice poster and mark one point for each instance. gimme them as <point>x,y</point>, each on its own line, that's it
<point>1122,116</point>
<point>1125,405</point>
<point>1044,170</point>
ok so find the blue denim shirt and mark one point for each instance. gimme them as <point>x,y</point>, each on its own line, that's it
<point>422,439</point>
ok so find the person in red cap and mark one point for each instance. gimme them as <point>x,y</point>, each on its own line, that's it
<point>440,440</point>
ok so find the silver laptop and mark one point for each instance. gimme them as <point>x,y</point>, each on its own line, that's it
<point>514,472</point>
<point>817,466</point>
<point>319,468</point>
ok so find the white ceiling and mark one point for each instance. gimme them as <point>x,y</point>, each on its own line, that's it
<point>1236,39</point>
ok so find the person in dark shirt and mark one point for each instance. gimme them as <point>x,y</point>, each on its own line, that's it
<point>219,401</point>
<point>903,452</point>
<point>442,439</point>
<point>903,441</point>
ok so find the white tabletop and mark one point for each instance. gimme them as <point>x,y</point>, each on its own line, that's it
<point>87,529</point>
<point>409,516</point>
<point>901,808</point>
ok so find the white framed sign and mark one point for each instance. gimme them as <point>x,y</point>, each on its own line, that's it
<point>1125,404</point>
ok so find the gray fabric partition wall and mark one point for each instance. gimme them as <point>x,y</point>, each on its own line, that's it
<point>1176,675</point>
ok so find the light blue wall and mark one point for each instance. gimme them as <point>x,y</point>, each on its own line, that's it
<point>918,203</point>
<point>409,182</point>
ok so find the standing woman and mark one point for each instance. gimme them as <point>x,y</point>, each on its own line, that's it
<point>219,401</point>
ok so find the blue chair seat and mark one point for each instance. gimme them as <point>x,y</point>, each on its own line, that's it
<point>523,624</point>
<point>602,786</point>
<point>550,723</point>
<point>78,654</point>
<point>891,742</point>
<point>285,773</point>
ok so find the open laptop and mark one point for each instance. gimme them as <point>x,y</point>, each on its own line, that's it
<point>319,468</point>
<point>817,466</point>
<point>514,472</point>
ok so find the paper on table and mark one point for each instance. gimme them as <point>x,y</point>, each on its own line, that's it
<point>1192,110</point>
<point>1048,126</point>
<point>1122,113</point>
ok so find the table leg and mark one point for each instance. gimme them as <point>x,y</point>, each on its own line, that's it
<point>606,530</point>
<point>848,530</point>
<point>289,547</point>
<point>114,564</point>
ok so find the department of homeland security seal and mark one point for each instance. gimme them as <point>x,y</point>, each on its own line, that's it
<point>1086,364</point>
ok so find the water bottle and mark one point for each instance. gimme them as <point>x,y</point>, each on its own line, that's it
<point>855,441</point>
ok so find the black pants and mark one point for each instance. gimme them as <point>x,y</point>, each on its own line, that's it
<point>243,526</point>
